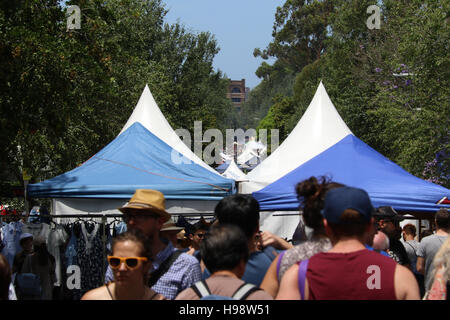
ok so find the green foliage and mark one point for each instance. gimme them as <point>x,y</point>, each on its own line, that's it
<point>278,81</point>
<point>389,85</point>
<point>299,32</point>
<point>66,94</point>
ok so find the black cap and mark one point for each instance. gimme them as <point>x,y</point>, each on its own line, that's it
<point>387,213</point>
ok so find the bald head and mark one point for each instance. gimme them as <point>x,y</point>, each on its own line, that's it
<point>380,241</point>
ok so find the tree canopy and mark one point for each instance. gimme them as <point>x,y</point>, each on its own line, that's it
<point>390,85</point>
<point>65,94</point>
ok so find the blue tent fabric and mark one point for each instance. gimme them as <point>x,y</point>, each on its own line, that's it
<point>136,159</point>
<point>223,167</point>
<point>354,163</point>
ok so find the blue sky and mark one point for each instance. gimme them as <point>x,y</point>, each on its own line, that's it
<point>239,27</point>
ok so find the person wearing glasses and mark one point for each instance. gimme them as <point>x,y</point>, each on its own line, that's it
<point>130,261</point>
<point>196,236</point>
<point>172,271</point>
<point>388,221</point>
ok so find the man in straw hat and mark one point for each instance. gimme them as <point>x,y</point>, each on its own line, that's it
<point>172,271</point>
<point>171,231</point>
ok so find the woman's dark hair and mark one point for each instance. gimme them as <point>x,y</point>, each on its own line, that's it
<point>223,247</point>
<point>137,236</point>
<point>311,192</point>
<point>5,278</point>
<point>241,210</point>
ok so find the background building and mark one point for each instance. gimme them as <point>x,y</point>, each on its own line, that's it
<point>237,92</point>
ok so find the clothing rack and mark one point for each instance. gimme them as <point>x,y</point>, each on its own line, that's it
<point>104,217</point>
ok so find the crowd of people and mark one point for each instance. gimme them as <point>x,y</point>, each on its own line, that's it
<point>354,251</point>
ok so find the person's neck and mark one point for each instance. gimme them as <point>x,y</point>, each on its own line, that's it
<point>409,237</point>
<point>347,245</point>
<point>129,292</point>
<point>158,246</point>
<point>441,232</point>
<point>252,247</point>
<point>224,273</point>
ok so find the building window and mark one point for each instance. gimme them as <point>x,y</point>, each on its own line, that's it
<point>236,90</point>
<point>236,99</point>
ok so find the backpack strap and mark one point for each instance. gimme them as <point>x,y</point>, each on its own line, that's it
<point>302,268</point>
<point>244,291</point>
<point>163,268</point>
<point>201,289</point>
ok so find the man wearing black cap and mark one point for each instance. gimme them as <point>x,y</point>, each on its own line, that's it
<point>388,221</point>
<point>348,270</point>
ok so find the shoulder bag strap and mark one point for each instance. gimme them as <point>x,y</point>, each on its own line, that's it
<point>201,289</point>
<point>163,268</point>
<point>411,247</point>
<point>302,268</point>
<point>244,291</point>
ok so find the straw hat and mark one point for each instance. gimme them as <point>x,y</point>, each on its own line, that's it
<point>146,200</point>
<point>170,226</point>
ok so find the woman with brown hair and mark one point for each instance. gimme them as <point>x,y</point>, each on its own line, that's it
<point>312,194</point>
<point>130,262</point>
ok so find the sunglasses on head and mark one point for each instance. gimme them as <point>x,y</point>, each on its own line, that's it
<point>130,262</point>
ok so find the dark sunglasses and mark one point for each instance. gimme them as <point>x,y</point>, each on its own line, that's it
<point>200,235</point>
<point>126,217</point>
<point>130,262</point>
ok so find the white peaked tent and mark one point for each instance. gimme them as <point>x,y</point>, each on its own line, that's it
<point>233,172</point>
<point>319,128</point>
<point>150,116</point>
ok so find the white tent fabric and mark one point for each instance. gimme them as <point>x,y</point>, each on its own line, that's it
<point>233,172</point>
<point>319,128</point>
<point>80,206</point>
<point>150,116</point>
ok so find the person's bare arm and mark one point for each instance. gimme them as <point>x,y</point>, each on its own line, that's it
<point>420,265</point>
<point>270,281</point>
<point>289,285</point>
<point>405,284</point>
<point>269,239</point>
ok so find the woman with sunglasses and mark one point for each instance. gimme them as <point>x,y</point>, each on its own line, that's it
<point>130,262</point>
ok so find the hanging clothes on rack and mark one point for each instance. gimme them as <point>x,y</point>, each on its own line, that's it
<point>56,240</point>
<point>121,227</point>
<point>37,229</point>
<point>71,259</point>
<point>90,255</point>
<point>11,240</point>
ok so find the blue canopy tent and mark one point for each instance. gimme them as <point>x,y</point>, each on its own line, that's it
<point>352,162</point>
<point>222,167</point>
<point>136,159</point>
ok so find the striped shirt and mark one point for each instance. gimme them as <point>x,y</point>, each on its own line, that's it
<point>183,273</point>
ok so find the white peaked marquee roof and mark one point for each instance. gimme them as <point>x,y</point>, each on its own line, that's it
<point>319,128</point>
<point>233,172</point>
<point>150,116</point>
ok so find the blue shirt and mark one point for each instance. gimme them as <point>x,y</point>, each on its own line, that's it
<point>384,253</point>
<point>257,265</point>
<point>183,273</point>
